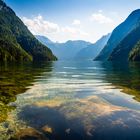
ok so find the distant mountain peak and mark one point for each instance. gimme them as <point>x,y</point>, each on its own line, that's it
<point>92,50</point>
<point>66,50</point>
<point>44,39</point>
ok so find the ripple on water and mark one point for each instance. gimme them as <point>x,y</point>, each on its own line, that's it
<point>76,102</point>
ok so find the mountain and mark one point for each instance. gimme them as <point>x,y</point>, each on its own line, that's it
<point>134,55</point>
<point>119,34</point>
<point>44,39</point>
<point>64,51</point>
<point>93,50</point>
<point>122,51</point>
<point>16,41</point>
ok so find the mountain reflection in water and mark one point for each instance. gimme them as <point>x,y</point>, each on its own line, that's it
<point>72,100</point>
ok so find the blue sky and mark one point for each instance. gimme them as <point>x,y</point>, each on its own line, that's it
<point>63,20</point>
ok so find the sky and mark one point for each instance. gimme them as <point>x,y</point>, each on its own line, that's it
<point>62,20</point>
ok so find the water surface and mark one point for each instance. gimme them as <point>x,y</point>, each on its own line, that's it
<point>68,100</point>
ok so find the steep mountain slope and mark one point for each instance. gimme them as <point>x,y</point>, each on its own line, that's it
<point>134,55</point>
<point>119,34</point>
<point>93,50</point>
<point>121,52</point>
<point>16,41</point>
<point>67,50</point>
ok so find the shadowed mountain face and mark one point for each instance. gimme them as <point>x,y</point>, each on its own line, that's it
<point>122,51</point>
<point>119,33</point>
<point>93,50</point>
<point>16,41</point>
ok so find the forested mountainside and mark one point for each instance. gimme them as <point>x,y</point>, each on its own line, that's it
<point>16,42</point>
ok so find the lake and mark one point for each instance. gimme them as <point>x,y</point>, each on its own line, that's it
<point>70,100</point>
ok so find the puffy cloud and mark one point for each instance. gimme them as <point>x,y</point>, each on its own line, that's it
<point>38,25</point>
<point>101,18</point>
<point>76,22</point>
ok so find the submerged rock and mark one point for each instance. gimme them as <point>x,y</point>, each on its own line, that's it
<point>29,134</point>
<point>68,131</point>
<point>47,129</point>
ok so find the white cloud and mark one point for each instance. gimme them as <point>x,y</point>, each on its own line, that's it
<point>38,25</point>
<point>73,31</point>
<point>100,11</point>
<point>101,18</point>
<point>76,22</point>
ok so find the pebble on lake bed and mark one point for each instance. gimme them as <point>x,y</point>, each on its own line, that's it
<point>30,133</point>
<point>68,131</point>
<point>47,129</point>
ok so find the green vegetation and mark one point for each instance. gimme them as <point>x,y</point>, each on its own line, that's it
<point>133,92</point>
<point>135,53</point>
<point>121,52</point>
<point>16,41</point>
